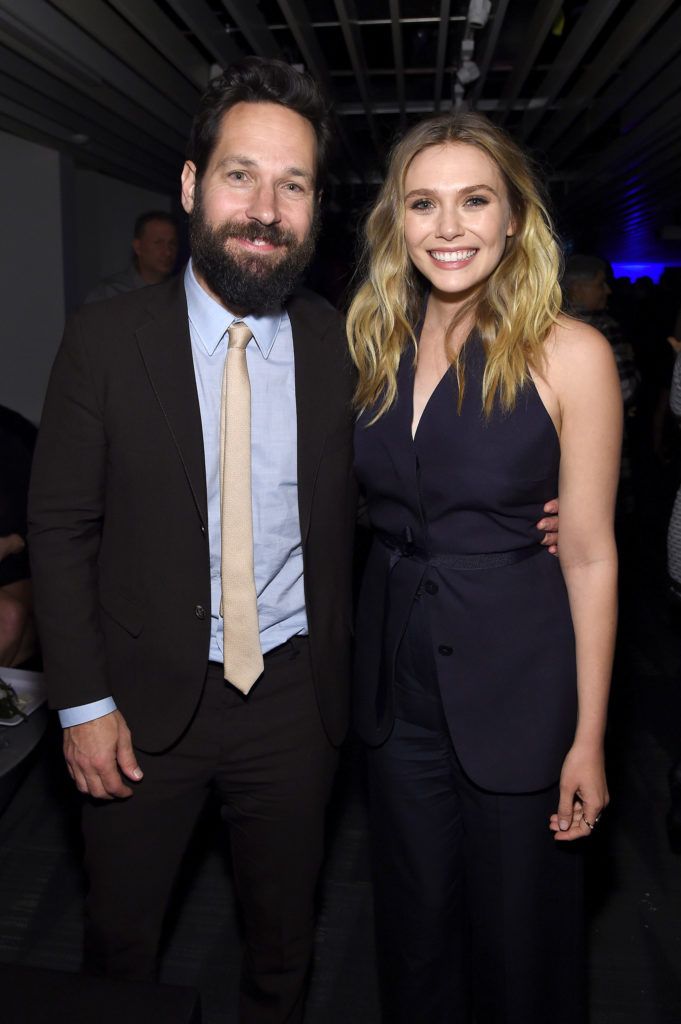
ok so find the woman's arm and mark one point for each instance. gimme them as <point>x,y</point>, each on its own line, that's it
<point>583,375</point>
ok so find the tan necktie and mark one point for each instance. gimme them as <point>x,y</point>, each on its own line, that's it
<point>242,654</point>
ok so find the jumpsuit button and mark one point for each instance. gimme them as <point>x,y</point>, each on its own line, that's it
<point>430,587</point>
<point>446,650</point>
<point>200,611</point>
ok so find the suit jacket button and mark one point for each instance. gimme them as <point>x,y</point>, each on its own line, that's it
<point>430,587</point>
<point>446,650</point>
<point>200,611</point>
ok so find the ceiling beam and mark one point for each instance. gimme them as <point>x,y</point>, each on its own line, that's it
<point>664,44</point>
<point>396,34</point>
<point>542,21</point>
<point>56,134</point>
<point>49,30</point>
<point>306,40</point>
<point>254,28</point>
<point>665,84</point>
<point>106,97</point>
<point>86,112</point>
<point>579,39</point>
<point>498,16</point>
<point>640,177</point>
<point>207,28</point>
<point>347,15</point>
<point>625,37</point>
<point>653,132</point>
<point>98,20</point>
<point>442,37</point>
<point>159,31</point>
<point>304,34</point>
<point>648,142</point>
<point>89,160</point>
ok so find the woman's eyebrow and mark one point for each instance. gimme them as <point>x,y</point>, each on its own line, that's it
<point>462,191</point>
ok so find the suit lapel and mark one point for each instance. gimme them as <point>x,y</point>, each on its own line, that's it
<point>312,401</point>
<point>165,347</point>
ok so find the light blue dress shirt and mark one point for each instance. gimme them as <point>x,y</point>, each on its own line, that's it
<point>277,544</point>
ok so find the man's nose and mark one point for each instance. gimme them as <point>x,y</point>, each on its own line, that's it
<point>264,205</point>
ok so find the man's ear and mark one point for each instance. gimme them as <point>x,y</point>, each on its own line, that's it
<point>188,186</point>
<point>136,246</point>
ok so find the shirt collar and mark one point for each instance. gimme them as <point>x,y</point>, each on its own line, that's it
<point>210,320</point>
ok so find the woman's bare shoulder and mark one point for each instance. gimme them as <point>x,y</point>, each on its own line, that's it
<point>574,346</point>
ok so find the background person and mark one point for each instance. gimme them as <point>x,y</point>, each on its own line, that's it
<point>154,247</point>
<point>17,627</point>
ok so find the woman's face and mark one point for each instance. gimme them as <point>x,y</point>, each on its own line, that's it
<point>457,216</point>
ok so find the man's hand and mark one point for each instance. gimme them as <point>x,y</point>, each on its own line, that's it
<point>98,753</point>
<point>11,544</point>
<point>675,344</point>
<point>550,526</point>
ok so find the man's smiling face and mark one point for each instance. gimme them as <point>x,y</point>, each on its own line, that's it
<point>253,211</point>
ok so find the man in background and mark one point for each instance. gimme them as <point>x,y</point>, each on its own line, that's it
<point>154,246</point>
<point>17,629</point>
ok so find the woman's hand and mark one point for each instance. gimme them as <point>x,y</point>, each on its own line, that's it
<point>583,794</point>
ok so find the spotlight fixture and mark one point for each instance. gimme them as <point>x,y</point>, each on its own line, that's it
<point>478,12</point>
<point>468,72</point>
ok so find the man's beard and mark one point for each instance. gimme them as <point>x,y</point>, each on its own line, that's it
<point>255,284</point>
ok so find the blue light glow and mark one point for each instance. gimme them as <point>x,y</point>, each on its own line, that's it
<point>636,270</point>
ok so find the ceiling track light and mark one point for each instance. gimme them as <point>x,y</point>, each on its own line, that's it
<point>478,13</point>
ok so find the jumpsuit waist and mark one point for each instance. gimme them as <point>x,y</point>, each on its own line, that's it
<point>404,547</point>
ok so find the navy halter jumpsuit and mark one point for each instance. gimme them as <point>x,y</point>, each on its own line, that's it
<point>466,697</point>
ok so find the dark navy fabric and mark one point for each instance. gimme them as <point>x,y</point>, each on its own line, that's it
<point>502,638</point>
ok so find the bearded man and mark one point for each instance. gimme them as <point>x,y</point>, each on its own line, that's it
<point>194,608</point>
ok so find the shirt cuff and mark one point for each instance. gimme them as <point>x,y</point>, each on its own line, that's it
<point>86,712</point>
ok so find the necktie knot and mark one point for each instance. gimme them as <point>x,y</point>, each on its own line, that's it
<point>239,335</point>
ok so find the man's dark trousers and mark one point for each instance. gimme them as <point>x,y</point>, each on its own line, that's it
<point>271,765</point>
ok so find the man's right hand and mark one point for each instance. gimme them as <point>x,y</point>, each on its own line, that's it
<point>11,544</point>
<point>98,754</point>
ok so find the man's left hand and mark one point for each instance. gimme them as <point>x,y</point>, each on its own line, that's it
<point>549,524</point>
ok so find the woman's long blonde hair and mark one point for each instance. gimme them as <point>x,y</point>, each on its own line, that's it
<point>514,309</point>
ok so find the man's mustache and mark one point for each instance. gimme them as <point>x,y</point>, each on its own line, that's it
<point>270,233</point>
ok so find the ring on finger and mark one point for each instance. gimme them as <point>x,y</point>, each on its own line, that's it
<point>590,824</point>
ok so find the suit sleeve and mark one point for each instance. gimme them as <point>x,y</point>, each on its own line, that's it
<point>66,509</point>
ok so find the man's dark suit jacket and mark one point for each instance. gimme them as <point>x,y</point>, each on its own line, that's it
<point>118,520</point>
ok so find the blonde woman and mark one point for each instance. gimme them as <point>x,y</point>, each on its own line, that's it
<point>483,664</point>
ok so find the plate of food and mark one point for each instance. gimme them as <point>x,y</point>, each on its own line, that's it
<point>21,693</point>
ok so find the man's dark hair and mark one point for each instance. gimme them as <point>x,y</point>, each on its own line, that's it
<point>146,218</point>
<point>259,80</point>
<point>582,268</point>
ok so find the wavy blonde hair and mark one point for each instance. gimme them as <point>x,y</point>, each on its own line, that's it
<point>514,309</point>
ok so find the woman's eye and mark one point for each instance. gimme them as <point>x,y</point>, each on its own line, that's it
<point>476,201</point>
<point>421,204</point>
